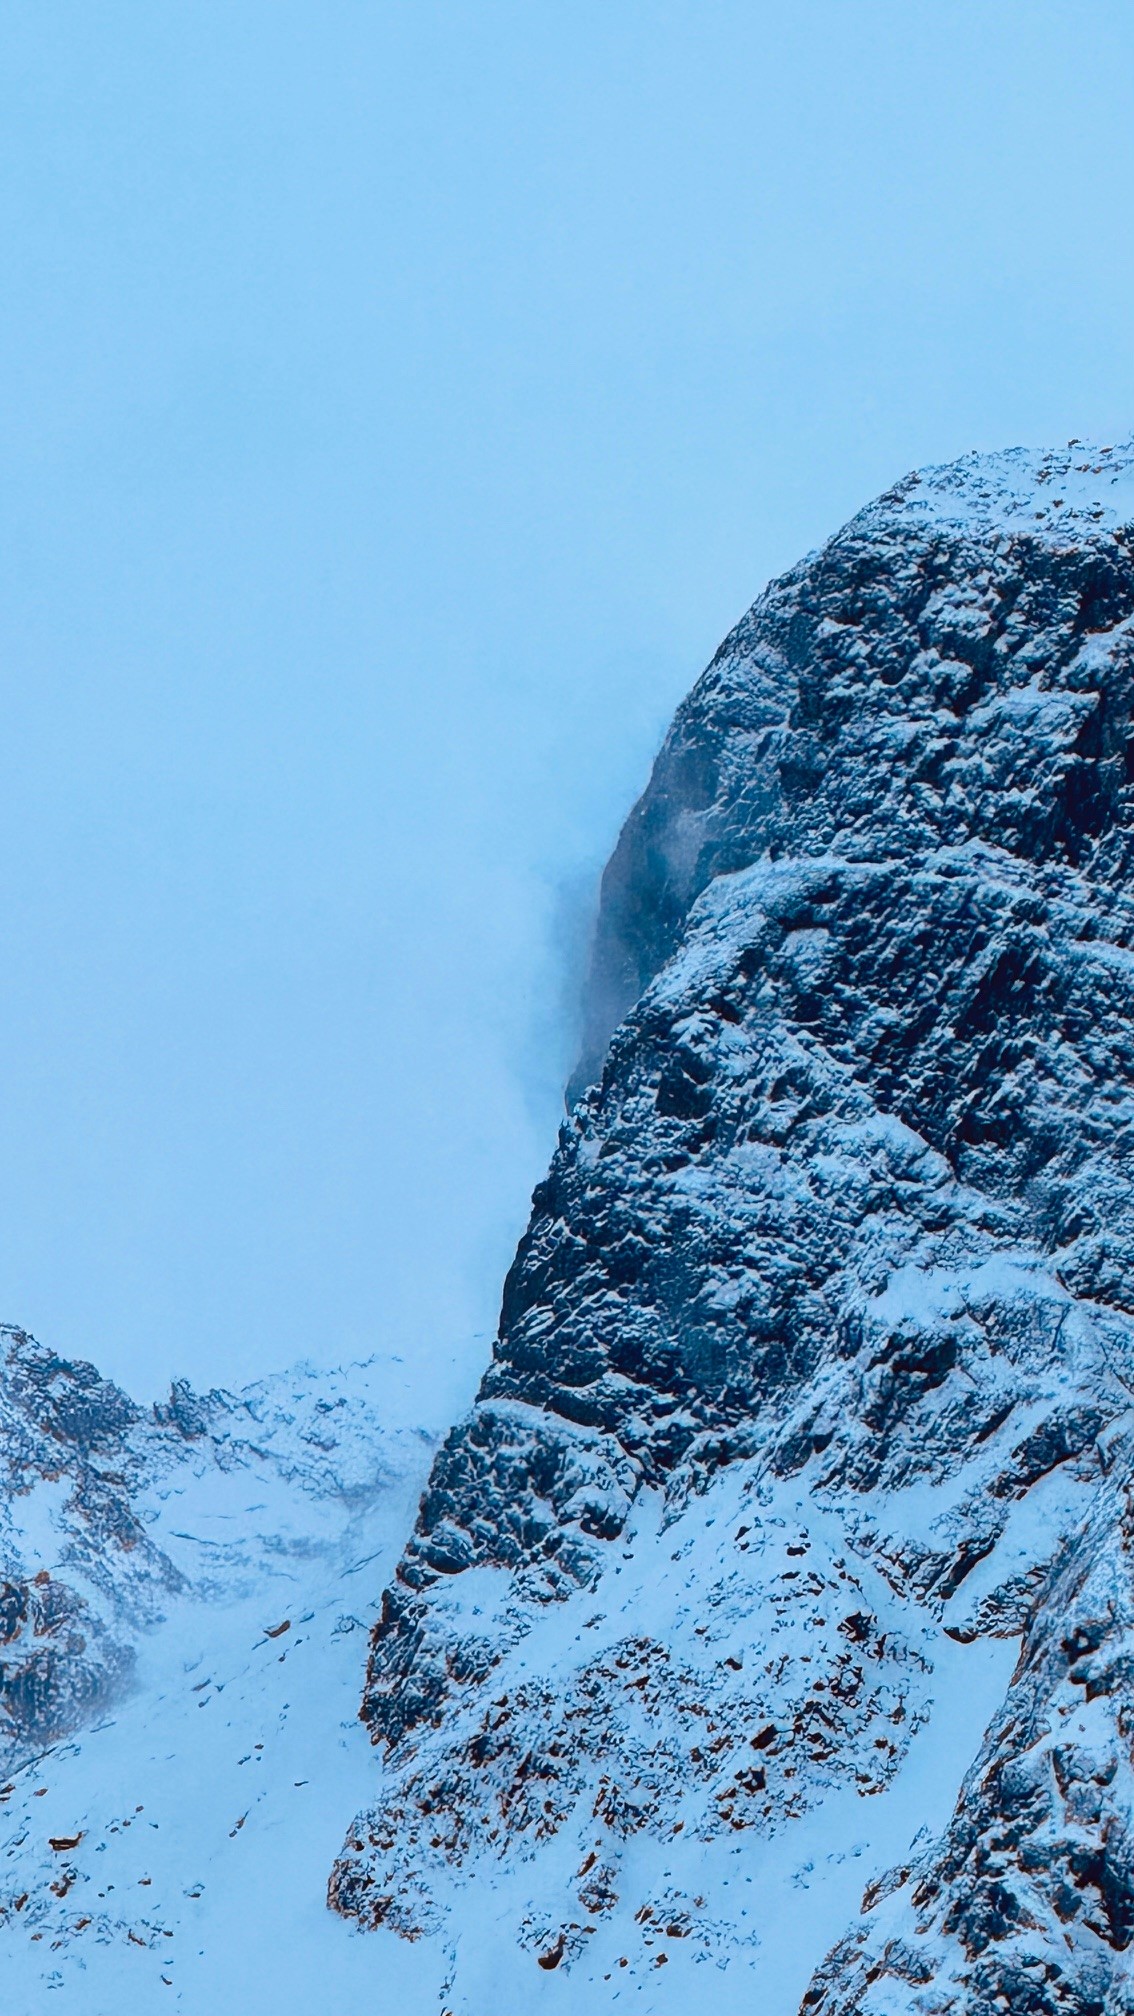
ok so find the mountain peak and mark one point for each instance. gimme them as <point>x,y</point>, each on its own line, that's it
<point>1054,494</point>
<point>817,1355</point>
<point>770,1610</point>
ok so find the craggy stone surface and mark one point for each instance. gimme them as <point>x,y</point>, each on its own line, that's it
<point>1028,1901</point>
<point>840,1237</point>
<point>64,1455</point>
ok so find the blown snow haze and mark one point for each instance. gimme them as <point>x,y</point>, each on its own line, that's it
<point>399,403</point>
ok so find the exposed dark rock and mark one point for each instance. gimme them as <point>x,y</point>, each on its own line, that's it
<point>1028,1902</point>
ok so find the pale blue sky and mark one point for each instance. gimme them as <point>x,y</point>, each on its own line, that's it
<point>399,402</point>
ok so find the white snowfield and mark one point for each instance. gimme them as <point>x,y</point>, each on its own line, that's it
<point>175,1855</point>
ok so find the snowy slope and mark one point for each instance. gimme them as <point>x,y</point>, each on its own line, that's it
<point>658,1705</point>
<point>205,1804</point>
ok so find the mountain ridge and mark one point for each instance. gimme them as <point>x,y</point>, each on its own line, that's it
<point>770,1610</point>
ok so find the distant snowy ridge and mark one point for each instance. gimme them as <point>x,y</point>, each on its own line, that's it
<point>183,1596</point>
<point>89,1551</point>
<point>810,1414</point>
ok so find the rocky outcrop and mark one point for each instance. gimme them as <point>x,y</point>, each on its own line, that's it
<point>1028,1901</point>
<point>183,1603</point>
<point>816,1358</point>
<point>74,1560</point>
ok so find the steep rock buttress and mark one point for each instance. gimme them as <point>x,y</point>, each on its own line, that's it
<point>813,1380</point>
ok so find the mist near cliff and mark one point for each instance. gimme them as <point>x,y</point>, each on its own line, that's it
<point>400,403</point>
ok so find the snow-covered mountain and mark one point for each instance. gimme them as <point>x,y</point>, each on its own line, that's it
<point>764,1638</point>
<point>808,1418</point>
<point>184,1592</point>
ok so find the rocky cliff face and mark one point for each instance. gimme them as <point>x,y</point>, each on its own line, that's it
<point>70,1463</point>
<point>810,1409</point>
